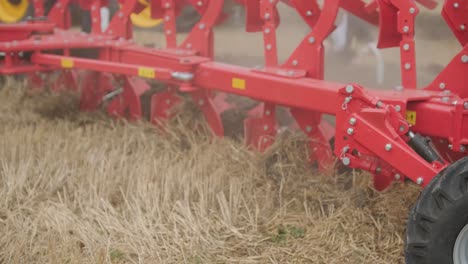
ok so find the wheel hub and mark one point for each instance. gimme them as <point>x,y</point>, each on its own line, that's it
<point>460,250</point>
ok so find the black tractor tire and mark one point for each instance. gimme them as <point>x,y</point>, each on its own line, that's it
<point>438,217</point>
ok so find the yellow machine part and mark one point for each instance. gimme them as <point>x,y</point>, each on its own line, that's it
<point>12,12</point>
<point>143,19</point>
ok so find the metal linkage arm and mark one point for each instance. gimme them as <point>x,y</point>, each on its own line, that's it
<point>397,19</point>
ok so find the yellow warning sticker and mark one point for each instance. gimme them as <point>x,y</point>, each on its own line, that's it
<point>146,72</point>
<point>67,63</point>
<point>238,83</point>
<point>411,117</point>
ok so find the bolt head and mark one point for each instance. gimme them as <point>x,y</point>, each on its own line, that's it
<point>388,147</point>
<point>464,58</point>
<point>201,102</point>
<point>398,108</point>
<point>267,112</point>
<point>352,121</point>
<point>420,181</point>
<point>268,47</point>
<point>406,47</point>
<point>402,128</point>
<point>346,161</point>
<point>350,131</point>
<point>349,88</point>
<point>308,129</point>
<point>456,5</point>
<point>265,127</point>
<point>397,177</point>
<point>405,29</point>
<point>379,104</point>
<point>311,40</point>
<point>407,66</point>
<point>465,105</point>
<point>295,63</point>
<point>412,10</point>
<point>462,27</point>
<point>462,148</point>
<point>442,85</point>
<point>309,13</point>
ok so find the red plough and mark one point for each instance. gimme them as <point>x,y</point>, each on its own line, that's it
<point>412,134</point>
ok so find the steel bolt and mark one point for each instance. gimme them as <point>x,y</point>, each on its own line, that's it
<point>268,47</point>
<point>445,99</point>
<point>352,121</point>
<point>378,170</point>
<point>412,10</point>
<point>464,58</point>
<point>442,85</point>
<point>397,177</point>
<point>346,161</point>
<point>267,112</point>
<point>201,26</point>
<point>456,5</point>
<point>388,147</point>
<point>402,128</point>
<point>398,108</point>
<point>265,127</point>
<point>309,13</point>
<point>311,40</point>
<point>168,101</point>
<point>407,66</point>
<point>462,148</point>
<point>379,104</point>
<point>267,16</point>
<point>308,129</point>
<point>295,62</point>
<point>450,146</point>
<point>405,29</point>
<point>420,181</point>
<point>199,3</point>
<point>462,27</point>
<point>465,105</point>
<point>350,131</point>
<point>349,88</point>
<point>406,47</point>
<point>267,30</point>
<point>201,102</point>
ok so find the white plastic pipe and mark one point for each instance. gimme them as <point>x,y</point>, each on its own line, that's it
<point>105,18</point>
<point>380,74</point>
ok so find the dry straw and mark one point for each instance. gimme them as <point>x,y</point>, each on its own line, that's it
<point>82,188</point>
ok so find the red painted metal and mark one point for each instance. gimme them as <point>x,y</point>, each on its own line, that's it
<point>374,127</point>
